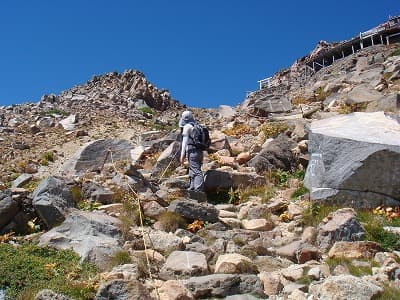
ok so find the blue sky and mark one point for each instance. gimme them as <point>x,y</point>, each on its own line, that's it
<point>206,53</point>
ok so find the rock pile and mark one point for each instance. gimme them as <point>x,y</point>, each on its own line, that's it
<point>120,191</point>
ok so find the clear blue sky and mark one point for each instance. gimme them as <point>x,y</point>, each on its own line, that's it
<point>205,52</point>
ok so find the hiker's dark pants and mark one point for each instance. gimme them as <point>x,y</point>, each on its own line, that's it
<point>196,178</point>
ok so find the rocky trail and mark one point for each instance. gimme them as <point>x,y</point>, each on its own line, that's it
<point>301,193</point>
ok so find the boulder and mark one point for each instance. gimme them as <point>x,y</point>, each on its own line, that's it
<point>217,180</point>
<point>234,263</point>
<point>122,290</point>
<point>222,285</point>
<point>169,159</point>
<point>200,248</point>
<point>184,264</point>
<point>355,160</point>
<point>138,183</point>
<point>174,290</point>
<point>126,271</point>
<point>342,225</point>
<point>262,105</point>
<point>152,209</point>
<point>387,103</point>
<point>160,241</point>
<point>92,235</point>
<point>293,272</point>
<point>307,252</point>
<point>243,157</point>
<point>193,210</point>
<point>257,224</point>
<point>362,93</point>
<point>354,250</point>
<point>345,287</point>
<point>226,112</point>
<point>269,264</point>
<point>289,251</point>
<point>275,155</point>
<point>92,156</point>
<point>21,180</point>
<point>8,209</point>
<point>272,282</point>
<point>51,200</point>
<point>69,122</point>
<point>219,141</point>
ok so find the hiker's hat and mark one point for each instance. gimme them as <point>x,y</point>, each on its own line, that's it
<point>186,118</point>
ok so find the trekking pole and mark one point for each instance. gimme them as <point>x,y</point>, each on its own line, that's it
<point>170,162</point>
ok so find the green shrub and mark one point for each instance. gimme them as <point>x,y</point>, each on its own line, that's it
<point>218,197</point>
<point>77,194</point>
<point>273,129</point>
<point>89,205</point>
<point>300,191</point>
<point>262,191</point>
<point>396,52</point>
<point>26,269</point>
<point>46,158</point>
<point>320,94</point>
<point>315,213</point>
<point>54,111</point>
<point>389,293</point>
<point>299,174</point>
<point>120,258</point>
<point>171,221</point>
<point>147,110</point>
<point>354,270</point>
<point>239,130</point>
<point>373,225</point>
<point>278,177</point>
<point>130,216</point>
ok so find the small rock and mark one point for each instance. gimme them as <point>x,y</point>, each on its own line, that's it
<point>293,273</point>
<point>257,224</point>
<point>354,250</point>
<point>234,264</point>
<point>272,282</point>
<point>181,264</point>
<point>174,290</point>
<point>243,157</point>
<point>21,180</point>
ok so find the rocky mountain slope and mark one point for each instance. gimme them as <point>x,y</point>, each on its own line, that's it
<point>94,170</point>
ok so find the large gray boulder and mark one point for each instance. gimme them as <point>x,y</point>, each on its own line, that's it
<point>222,285</point>
<point>275,155</point>
<point>194,210</point>
<point>93,155</point>
<point>355,160</point>
<point>92,235</point>
<point>51,200</point>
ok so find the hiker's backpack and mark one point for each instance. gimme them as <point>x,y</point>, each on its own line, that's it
<point>200,137</point>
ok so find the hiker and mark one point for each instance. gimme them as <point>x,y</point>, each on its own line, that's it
<point>195,156</point>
